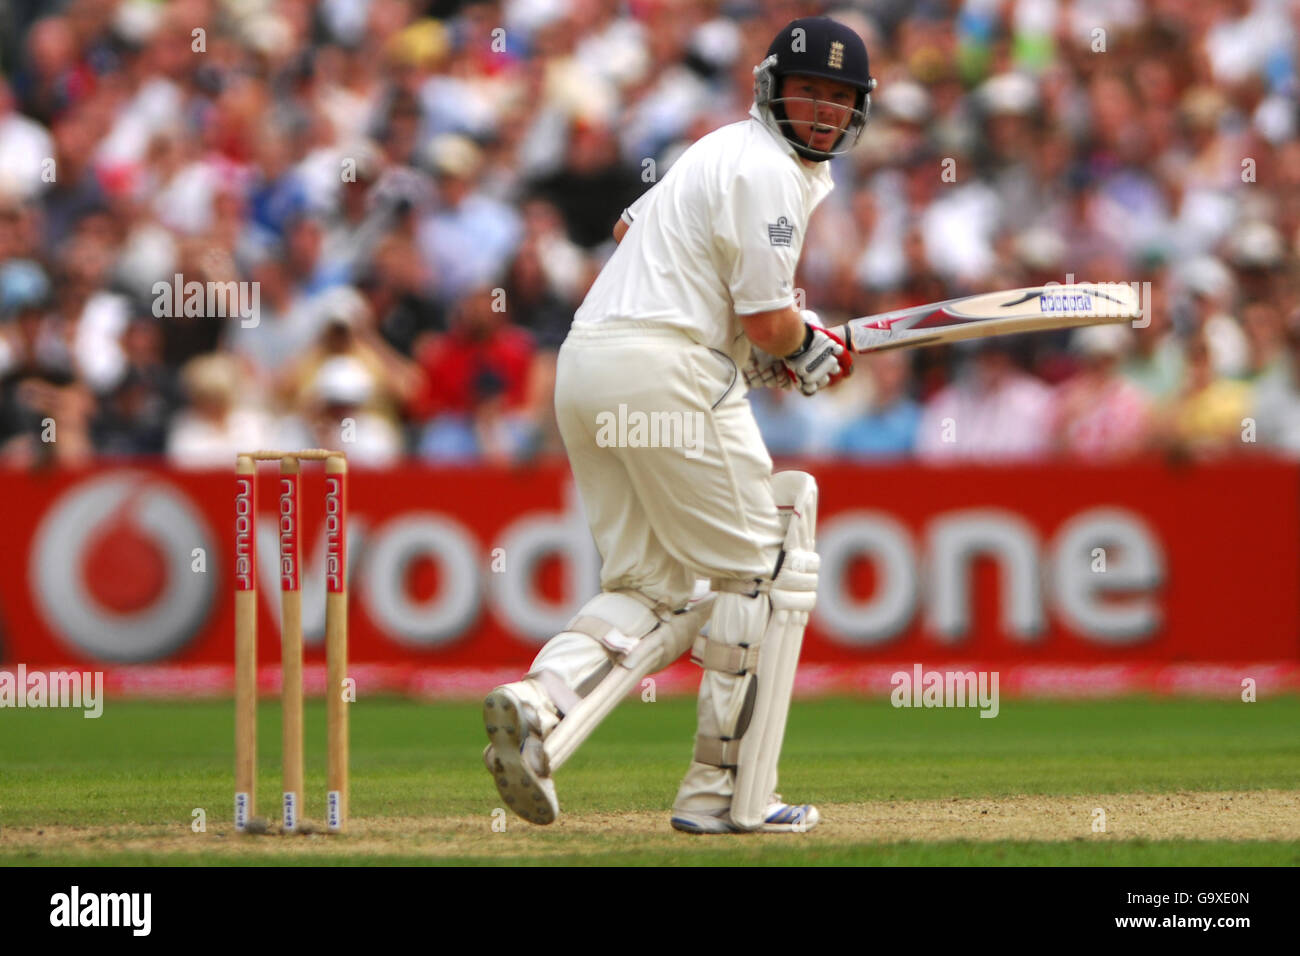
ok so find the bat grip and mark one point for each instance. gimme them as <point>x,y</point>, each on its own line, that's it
<point>844,334</point>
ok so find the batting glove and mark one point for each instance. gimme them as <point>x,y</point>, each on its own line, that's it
<point>821,361</point>
<point>765,371</point>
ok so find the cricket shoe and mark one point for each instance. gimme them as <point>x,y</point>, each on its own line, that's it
<point>515,759</point>
<point>780,818</point>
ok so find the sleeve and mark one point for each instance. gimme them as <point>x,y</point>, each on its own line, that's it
<point>631,212</point>
<point>760,234</point>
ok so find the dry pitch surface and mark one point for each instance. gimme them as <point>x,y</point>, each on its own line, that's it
<point>1272,815</point>
<point>1191,782</point>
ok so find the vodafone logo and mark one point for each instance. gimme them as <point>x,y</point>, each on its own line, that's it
<point>110,568</point>
<point>930,576</point>
<point>110,576</point>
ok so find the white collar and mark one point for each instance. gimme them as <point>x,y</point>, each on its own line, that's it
<point>818,172</point>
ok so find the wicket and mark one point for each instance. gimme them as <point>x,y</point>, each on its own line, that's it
<point>291,649</point>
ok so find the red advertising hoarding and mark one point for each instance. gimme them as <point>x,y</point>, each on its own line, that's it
<point>1146,577</point>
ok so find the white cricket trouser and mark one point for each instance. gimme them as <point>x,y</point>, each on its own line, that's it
<point>664,516</point>
<point>666,505</point>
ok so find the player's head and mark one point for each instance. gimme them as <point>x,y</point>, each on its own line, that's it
<point>815,75</point>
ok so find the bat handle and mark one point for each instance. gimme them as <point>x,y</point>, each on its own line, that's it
<point>844,334</point>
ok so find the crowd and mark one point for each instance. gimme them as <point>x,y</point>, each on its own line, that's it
<point>405,202</point>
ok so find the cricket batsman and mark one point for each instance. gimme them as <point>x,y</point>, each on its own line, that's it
<point>696,304</point>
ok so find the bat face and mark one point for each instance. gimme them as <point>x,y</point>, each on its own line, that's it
<point>995,313</point>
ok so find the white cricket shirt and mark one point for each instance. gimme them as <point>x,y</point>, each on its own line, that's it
<point>719,236</point>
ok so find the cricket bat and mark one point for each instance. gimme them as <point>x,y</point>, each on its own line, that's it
<point>993,313</point>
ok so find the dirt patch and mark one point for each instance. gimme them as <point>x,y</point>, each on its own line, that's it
<point>1217,815</point>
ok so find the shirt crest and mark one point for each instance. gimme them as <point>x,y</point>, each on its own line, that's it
<point>781,233</point>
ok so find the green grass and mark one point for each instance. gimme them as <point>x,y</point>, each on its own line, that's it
<point>150,764</point>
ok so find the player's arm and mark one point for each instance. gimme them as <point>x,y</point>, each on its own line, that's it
<point>758,235</point>
<point>778,332</point>
<point>811,357</point>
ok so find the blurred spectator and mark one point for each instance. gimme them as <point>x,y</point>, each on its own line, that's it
<point>994,412</point>
<point>188,333</point>
<point>286,323</point>
<point>213,428</point>
<point>543,289</point>
<point>334,413</point>
<point>537,302</point>
<point>295,295</point>
<point>886,429</point>
<point>1155,363</point>
<point>396,285</point>
<point>1277,396</point>
<point>44,411</point>
<point>1257,254</point>
<point>672,88</point>
<point>96,314</point>
<point>1208,418</point>
<point>557,271</point>
<point>360,219</point>
<point>310,270</point>
<point>135,412</point>
<point>1249,39</point>
<point>1100,414</point>
<point>277,197</point>
<point>1266,336</point>
<point>391,380</point>
<point>53,78</point>
<point>473,402</point>
<point>470,237</point>
<point>593,187</point>
<point>76,191</point>
<point>1213,292</point>
<point>26,151</point>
